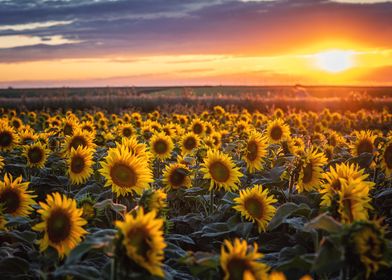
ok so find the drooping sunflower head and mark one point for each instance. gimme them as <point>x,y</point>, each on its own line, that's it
<point>142,239</point>
<point>277,131</point>
<point>161,146</point>
<point>90,212</point>
<point>79,138</point>
<point>220,169</point>
<point>311,170</point>
<point>36,155</point>
<point>255,151</point>
<point>8,137</point>
<point>189,142</point>
<point>15,198</point>
<point>153,200</point>
<point>364,143</point>
<point>62,224</point>
<point>79,163</point>
<point>256,205</point>
<point>240,261</point>
<point>175,176</point>
<point>386,161</point>
<point>125,173</point>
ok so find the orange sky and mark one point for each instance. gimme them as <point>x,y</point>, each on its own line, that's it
<point>225,42</point>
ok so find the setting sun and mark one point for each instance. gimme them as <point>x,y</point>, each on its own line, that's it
<point>334,61</point>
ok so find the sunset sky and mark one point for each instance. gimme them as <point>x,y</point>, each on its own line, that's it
<point>46,43</point>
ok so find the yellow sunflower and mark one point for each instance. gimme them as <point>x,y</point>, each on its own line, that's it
<point>142,238</point>
<point>189,142</point>
<point>386,158</point>
<point>126,130</point>
<point>3,221</point>
<point>157,201</point>
<point>15,199</point>
<point>8,137</point>
<point>69,125</point>
<point>79,164</point>
<point>277,131</point>
<point>78,138</point>
<point>125,173</point>
<point>197,126</point>
<point>136,148</point>
<point>311,170</point>
<point>364,142</point>
<point>277,275</point>
<point>175,176</point>
<point>61,223</point>
<point>36,155</point>
<point>256,150</point>
<point>1,163</point>
<point>27,136</point>
<point>240,261</point>
<point>256,205</point>
<point>220,169</point>
<point>161,146</point>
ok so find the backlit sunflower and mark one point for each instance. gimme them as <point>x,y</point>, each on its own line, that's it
<point>386,161</point>
<point>161,146</point>
<point>78,138</point>
<point>240,261</point>
<point>255,151</point>
<point>79,164</point>
<point>364,142</point>
<point>311,170</point>
<point>175,176</point>
<point>220,169</point>
<point>142,238</point>
<point>189,142</point>
<point>36,155</point>
<point>61,223</point>
<point>15,199</point>
<point>125,173</point>
<point>256,205</point>
<point>277,131</point>
<point>8,137</point>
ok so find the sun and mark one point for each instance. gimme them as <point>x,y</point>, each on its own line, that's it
<point>334,61</point>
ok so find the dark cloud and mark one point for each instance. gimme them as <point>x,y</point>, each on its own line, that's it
<point>199,26</point>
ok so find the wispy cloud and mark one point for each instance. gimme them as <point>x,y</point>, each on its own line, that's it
<point>14,41</point>
<point>34,25</point>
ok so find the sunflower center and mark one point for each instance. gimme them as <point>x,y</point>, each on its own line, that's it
<point>190,143</point>
<point>138,239</point>
<point>237,268</point>
<point>252,150</point>
<point>388,156</point>
<point>78,141</point>
<point>10,200</point>
<point>276,133</point>
<point>197,128</point>
<point>219,172</point>
<point>68,129</point>
<point>336,185</point>
<point>177,178</point>
<point>5,138</point>
<point>58,225</point>
<point>254,207</point>
<point>127,132</point>
<point>35,155</point>
<point>123,175</point>
<point>77,164</point>
<point>365,146</point>
<point>160,147</point>
<point>308,173</point>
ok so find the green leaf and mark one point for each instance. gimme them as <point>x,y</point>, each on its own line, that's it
<point>324,222</point>
<point>14,266</point>
<point>286,210</point>
<point>179,238</point>
<point>216,229</point>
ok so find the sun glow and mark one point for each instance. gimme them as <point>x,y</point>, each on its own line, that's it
<point>334,61</point>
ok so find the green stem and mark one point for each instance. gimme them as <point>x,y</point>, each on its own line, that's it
<point>113,271</point>
<point>211,201</point>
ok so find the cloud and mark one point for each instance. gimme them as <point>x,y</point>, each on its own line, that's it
<point>14,41</point>
<point>33,25</point>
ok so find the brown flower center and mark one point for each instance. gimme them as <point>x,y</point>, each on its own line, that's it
<point>254,207</point>
<point>35,155</point>
<point>190,143</point>
<point>219,172</point>
<point>177,177</point>
<point>308,173</point>
<point>276,133</point>
<point>123,175</point>
<point>77,164</point>
<point>197,128</point>
<point>365,146</point>
<point>252,150</point>
<point>160,147</point>
<point>58,225</point>
<point>5,139</point>
<point>11,200</point>
<point>78,141</point>
<point>237,268</point>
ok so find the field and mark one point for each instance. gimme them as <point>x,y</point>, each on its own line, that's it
<point>190,183</point>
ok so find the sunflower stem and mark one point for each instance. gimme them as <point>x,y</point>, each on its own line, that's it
<point>113,272</point>
<point>211,201</point>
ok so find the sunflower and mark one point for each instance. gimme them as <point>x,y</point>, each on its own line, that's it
<point>239,261</point>
<point>255,205</point>
<point>8,137</point>
<point>90,212</point>
<point>78,138</point>
<point>189,142</point>
<point>1,163</point>
<point>61,223</point>
<point>3,221</point>
<point>256,150</point>
<point>15,199</point>
<point>36,155</point>
<point>126,130</point>
<point>136,148</point>
<point>69,125</point>
<point>386,161</point>
<point>142,238</point>
<point>27,136</point>
<point>161,146</point>
<point>336,175</point>
<point>125,173</point>
<point>156,201</point>
<point>175,176</point>
<point>80,163</point>
<point>220,169</point>
<point>277,275</point>
<point>311,170</point>
<point>277,131</point>
<point>364,142</point>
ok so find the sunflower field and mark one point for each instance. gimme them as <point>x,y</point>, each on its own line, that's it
<point>206,193</point>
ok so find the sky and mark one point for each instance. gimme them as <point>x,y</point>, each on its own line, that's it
<point>55,43</point>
